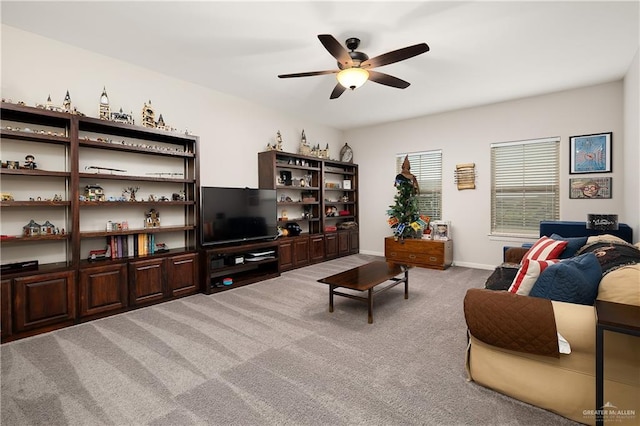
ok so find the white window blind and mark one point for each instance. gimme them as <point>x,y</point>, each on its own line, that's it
<point>427,168</point>
<point>525,185</point>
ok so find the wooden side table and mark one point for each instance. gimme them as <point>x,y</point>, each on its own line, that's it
<point>615,317</point>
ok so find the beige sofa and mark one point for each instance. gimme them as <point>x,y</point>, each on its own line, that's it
<point>562,383</point>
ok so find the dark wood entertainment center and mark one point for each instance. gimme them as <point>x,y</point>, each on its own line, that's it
<point>73,153</point>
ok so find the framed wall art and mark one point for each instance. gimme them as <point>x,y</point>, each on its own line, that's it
<point>589,188</point>
<point>590,153</point>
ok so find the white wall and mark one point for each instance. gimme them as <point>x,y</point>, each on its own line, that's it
<point>231,130</point>
<point>465,136</point>
<point>632,145</point>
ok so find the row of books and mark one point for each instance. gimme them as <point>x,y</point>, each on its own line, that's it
<point>121,246</point>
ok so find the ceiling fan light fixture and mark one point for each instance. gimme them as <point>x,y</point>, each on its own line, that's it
<point>352,78</point>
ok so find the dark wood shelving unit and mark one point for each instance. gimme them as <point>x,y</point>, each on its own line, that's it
<point>75,289</point>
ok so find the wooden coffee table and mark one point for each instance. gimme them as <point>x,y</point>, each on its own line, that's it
<point>365,278</point>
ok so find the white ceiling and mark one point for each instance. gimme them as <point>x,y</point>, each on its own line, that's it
<point>481,52</point>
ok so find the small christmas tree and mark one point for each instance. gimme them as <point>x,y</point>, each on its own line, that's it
<point>404,216</point>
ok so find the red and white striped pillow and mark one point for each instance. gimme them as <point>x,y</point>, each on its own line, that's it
<point>528,274</point>
<point>545,248</point>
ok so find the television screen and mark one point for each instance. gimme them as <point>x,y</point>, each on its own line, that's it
<point>237,214</point>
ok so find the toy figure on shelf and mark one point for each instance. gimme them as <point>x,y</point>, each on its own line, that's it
<point>29,162</point>
<point>277,146</point>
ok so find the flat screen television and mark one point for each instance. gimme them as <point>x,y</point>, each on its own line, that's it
<point>231,215</point>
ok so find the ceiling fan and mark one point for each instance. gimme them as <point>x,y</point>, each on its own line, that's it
<point>355,67</point>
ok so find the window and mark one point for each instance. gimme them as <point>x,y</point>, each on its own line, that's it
<point>427,168</point>
<point>524,186</point>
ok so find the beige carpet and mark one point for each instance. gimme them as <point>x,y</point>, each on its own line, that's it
<point>265,354</point>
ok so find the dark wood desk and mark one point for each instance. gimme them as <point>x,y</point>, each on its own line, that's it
<point>365,278</point>
<point>618,318</point>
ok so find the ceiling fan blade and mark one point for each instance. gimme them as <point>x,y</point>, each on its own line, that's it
<point>337,91</point>
<point>336,49</point>
<point>308,74</point>
<point>396,56</point>
<point>388,80</point>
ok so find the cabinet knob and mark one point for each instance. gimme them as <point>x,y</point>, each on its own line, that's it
<point>412,256</point>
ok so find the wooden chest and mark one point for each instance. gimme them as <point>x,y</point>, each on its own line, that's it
<point>422,253</point>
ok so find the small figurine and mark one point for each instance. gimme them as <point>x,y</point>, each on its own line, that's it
<point>131,190</point>
<point>29,162</point>
<point>152,219</point>
<point>407,176</point>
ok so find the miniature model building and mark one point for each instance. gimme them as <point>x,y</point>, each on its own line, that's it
<point>94,193</point>
<point>121,117</point>
<point>67,102</point>
<point>148,116</point>
<point>104,108</point>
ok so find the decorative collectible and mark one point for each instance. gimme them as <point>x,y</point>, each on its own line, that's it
<point>29,162</point>
<point>121,117</point>
<point>48,228</point>
<point>440,230</point>
<point>104,110</point>
<point>152,219</point>
<point>94,193</point>
<point>161,125</point>
<point>13,164</point>
<point>7,196</point>
<point>99,169</point>
<point>179,196</point>
<point>346,153</point>
<point>131,192</point>
<point>277,146</point>
<point>465,176</point>
<point>31,229</point>
<point>148,115</point>
<point>305,148</point>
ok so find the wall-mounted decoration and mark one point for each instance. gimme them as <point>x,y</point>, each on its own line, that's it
<point>465,176</point>
<point>588,188</point>
<point>590,153</point>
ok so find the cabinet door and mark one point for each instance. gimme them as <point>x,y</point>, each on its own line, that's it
<point>316,248</point>
<point>301,251</point>
<point>5,301</point>
<point>343,243</point>
<point>103,289</point>
<point>182,274</point>
<point>331,245</point>
<point>285,254</point>
<point>354,242</point>
<point>146,281</point>
<point>42,300</point>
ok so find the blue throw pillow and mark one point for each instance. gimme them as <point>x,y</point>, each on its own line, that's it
<point>573,245</point>
<point>574,280</point>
